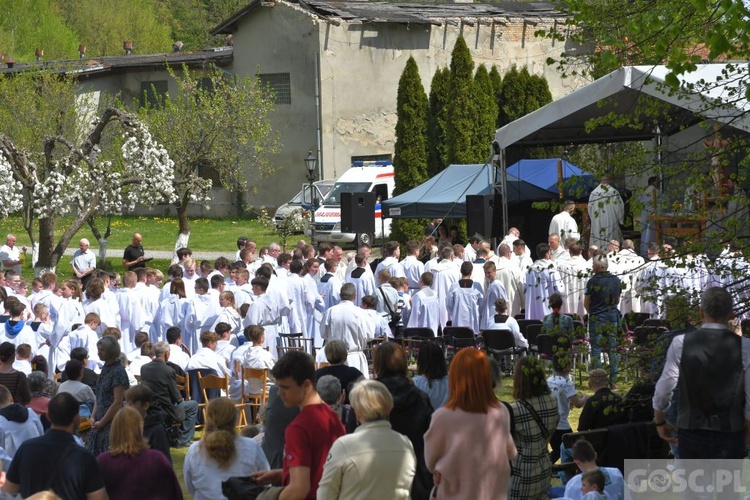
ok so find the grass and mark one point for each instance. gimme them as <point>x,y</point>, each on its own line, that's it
<point>160,233</point>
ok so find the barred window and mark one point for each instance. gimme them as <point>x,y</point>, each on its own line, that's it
<point>279,84</point>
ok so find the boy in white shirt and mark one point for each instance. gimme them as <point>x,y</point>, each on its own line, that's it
<point>562,388</point>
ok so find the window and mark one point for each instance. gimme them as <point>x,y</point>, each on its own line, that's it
<point>279,84</point>
<point>153,92</point>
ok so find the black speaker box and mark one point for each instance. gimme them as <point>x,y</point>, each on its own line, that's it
<point>358,213</point>
<point>484,215</point>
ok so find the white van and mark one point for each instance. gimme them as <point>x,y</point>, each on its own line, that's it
<point>301,202</point>
<point>363,176</point>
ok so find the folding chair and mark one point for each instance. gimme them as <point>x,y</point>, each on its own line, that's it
<point>524,323</point>
<point>459,337</point>
<point>532,333</point>
<point>413,337</point>
<point>549,345</point>
<point>500,343</point>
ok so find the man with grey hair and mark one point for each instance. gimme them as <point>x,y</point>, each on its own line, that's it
<point>329,389</point>
<point>711,366</point>
<point>84,262</point>
<point>10,254</point>
<point>160,378</point>
<point>274,250</point>
<point>345,321</point>
<point>601,298</point>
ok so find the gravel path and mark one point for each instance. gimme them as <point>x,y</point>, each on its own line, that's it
<point>116,253</point>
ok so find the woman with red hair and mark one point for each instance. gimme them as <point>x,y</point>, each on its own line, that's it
<point>468,446</point>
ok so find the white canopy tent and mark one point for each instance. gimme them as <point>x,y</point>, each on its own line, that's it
<point>713,92</point>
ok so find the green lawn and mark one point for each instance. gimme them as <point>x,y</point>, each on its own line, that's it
<point>159,233</point>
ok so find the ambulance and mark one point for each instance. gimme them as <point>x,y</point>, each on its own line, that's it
<point>363,176</point>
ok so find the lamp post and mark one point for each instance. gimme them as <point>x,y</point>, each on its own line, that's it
<point>311,162</point>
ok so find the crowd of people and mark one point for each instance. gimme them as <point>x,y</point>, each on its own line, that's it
<point>99,354</point>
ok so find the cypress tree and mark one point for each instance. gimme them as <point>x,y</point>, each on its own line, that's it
<point>512,96</point>
<point>497,88</point>
<point>462,107</point>
<point>486,111</point>
<point>437,150</point>
<point>410,158</point>
<point>538,93</point>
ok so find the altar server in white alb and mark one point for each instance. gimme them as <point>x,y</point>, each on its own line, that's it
<point>346,322</point>
<point>464,298</point>
<point>542,280</point>
<point>425,306</point>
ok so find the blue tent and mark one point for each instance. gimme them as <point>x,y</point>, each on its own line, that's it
<point>577,184</point>
<point>445,194</point>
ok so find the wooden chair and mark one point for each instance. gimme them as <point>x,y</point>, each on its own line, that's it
<point>295,342</point>
<point>370,349</point>
<point>322,364</point>
<point>208,382</point>
<point>254,401</point>
<point>137,378</point>
<point>183,385</point>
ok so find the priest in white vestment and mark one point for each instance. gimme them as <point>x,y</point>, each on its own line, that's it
<point>606,212</point>
<point>346,322</point>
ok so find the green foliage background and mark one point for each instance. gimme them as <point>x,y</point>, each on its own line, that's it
<point>103,25</point>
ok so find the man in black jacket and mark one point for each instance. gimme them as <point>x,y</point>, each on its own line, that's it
<point>159,377</point>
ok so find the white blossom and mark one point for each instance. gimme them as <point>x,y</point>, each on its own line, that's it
<point>11,197</point>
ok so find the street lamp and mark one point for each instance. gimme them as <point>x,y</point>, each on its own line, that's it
<point>311,162</point>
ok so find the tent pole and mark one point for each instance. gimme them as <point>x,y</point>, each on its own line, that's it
<point>560,188</point>
<point>500,162</point>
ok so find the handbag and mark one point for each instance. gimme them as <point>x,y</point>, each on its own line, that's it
<point>241,488</point>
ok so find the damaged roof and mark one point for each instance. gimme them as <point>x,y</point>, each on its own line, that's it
<point>402,13</point>
<point>89,66</point>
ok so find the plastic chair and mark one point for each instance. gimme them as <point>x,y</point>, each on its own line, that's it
<point>499,343</point>
<point>532,333</point>
<point>459,337</point>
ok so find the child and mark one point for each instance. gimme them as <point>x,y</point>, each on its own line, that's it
<point>562,388</point>
<point>592,485</point>
<point>22,363</point>
<point>85,336</point>
<point>42,325</point>
<point>256,357</point>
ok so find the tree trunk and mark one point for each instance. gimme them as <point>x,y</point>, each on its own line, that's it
<point>102,239</point>
<point>184,228</point>
<point>46,245</point>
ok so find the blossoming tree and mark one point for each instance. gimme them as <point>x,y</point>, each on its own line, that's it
<point>218,122</point>
<point>78,179</point>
